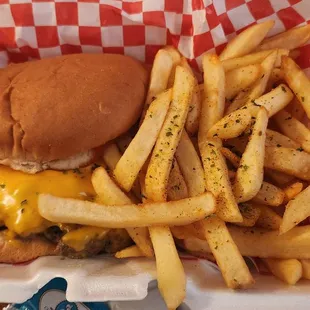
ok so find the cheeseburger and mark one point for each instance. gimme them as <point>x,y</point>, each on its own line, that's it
<point>56,114</point>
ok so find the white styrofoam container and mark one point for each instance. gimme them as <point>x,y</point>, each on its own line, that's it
<point>125,283</point>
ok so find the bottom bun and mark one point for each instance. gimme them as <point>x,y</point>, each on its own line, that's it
<point>20,251</point>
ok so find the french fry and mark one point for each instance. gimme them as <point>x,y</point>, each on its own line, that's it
<point>250,173</point>
<point>290,39</point>
<point>291,191</point>
<point>279,177</point>
<point>294,129</point>
<point>190,166</point>
<point>170,272</point>
<point>251,59</point>
<point>232,265</point>
<point>297,110</point>
<point>218,183</point>
<point>176,57</point>
<point>269,195</point>
<point>192,121</point>
<point>232,157</point>
<point>177,188</point>
<point>273,102</point>
<point>130,164</point>
<point>287,270</point>
<point>213,105</point>
<point>305,263</point>
<point>246,41</point>
<point>294,162</point>
<point>276,77</point>
<point>274,138</point>
<point>132,251</point>
<point>250,214</point>
<point>268,218</point>
<point>263,243</point>
<point>161,70</point>
<point>184,232</point>
<point>239,79</point>
<point>296,211</point>
<point>297,81</point>
<point>182,212</point>
<point>231,126</point>
<point>111,155</point>
<point>258,88</point>
<point>110,193</point>
<point>161,160</point>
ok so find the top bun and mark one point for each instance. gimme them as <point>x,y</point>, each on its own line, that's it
<point>55,108</point>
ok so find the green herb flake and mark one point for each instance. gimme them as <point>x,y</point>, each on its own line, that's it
<point>2,185</point>
<point>169,133</point>
<point>283,89</point>
<point>300,149</point>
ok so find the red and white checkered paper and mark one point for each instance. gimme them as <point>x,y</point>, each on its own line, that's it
<point>34,29</point>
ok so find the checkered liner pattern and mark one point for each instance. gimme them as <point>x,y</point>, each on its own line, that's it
<point>33,29</point>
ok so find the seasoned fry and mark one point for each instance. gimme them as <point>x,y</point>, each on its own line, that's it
<point>297,81</point>
<point>232,157</point>
<point>132,251</point>
<point>291,191</point>
<point>246,41</point>
<point>294,162</point>
<point>232,265</point>
<point>276,77</point>
<point>294,129</point>
<point>287,270</point>
<point>274,138</point>
<point>192,121</point>
<point>109,193</point>
<point>239,79</point>
<point>305,263</point>
<point>250,173</point>
<point>130,164</point>
<point>279,177</point>
<point>190,166</point>
<point>268,218</point>
<point>161,70</point>
<point>177,188</point>
<point>161,160</point>
<point>290,39</point>
<point>231,126</point>
<point>170,272</point>
<point>182,212</point>
<point>258,88</point>
<point>296,211</point>
<point>250,214</point>
<point>213,105</point>
<point>176,57</point>
<point>111,155</point>
<point>254,58</point>
<point>269,195</point>
<point>218,183</point>
<point>297,110</point>
<point>263,243</point>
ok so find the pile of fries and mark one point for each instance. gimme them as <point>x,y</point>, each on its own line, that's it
<point>221,169</point>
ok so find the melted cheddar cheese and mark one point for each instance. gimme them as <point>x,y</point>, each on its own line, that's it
<point>19,195</point>
<point>79,238</point>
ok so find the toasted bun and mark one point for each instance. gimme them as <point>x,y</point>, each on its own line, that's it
<point>17,251</point>
<point>55,108</point>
